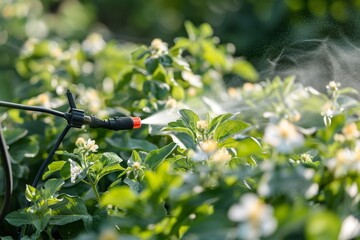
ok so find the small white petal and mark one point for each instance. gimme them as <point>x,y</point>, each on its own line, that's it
<point>237,213</point>
<point>350,228</point>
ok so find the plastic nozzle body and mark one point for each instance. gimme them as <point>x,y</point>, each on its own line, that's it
<point>117,123</point>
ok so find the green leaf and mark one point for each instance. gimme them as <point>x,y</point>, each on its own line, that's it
<point>52,186</point>
<point>245,69</point>
<point>115,167</point>
<point>156,157</point>
<point>67,154</point>
<point>213,55</point>
<point>25,148</point>
<point>122,197</point>
<point>53,167</point>
<point>110,158</point>
<point>323,225</point>
<point>160,90</point>
<point>348,90</point>
<point>216,226</point>
<point>183,140</point>
<point>41,222</point>
<point>178,93</point>
<point>7,238</point>
<point>191,30</point>
<point>151,64</point>
<point>178,62</point>
<point>217,120</point>
<point>70,209</point>
<point>135,157</point>
<point>134,185</point>
<point>166,61</point>
<point>190,118</point>
<point>206,30</point>
<point>19,217</point>
<point>65,170</point>
<point>31,193</point>
<point>229,128</point>
<point>169,130</point>
<point>183,136</point>
<point>139,53</point>
<point>160,75</point>
<point>13,135</point>
<point>244,147</point>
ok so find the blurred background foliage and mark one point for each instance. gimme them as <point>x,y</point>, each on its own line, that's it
<point>258,29</point>
<point>89,47</point>
<point>49,46</point>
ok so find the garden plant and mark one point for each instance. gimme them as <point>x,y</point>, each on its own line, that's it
<point>265,158</point>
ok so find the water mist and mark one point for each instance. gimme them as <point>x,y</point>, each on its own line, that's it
<point>317,62</point>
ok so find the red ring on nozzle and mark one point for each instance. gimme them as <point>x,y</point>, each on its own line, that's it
<point>137,122</point>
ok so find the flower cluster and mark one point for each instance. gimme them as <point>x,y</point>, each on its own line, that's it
<point>349,133</point>
<point>85,147</point>
<point>333,87</point>
<point>158,47</point>
<point>209,150</point>
<point>345,161</point>
<point>135,168</point>
<point>93,44</point>
<point>256,219</point>
<point>75,170</point>
<point>283,136</point>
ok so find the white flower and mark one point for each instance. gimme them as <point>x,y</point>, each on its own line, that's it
<point>91,146</point>
<point>93,44</point>
<point>198,155</point>
<point>158,45</point>
<point>351,131</point>
<point>306,157</point>
<point>75,170</point>
<point>80,142</point>
<point>43,100</point>
<point>353,191</point>
<point>202,125</point>
<point>221,156</point>
<point>91,98</point>
<point>87,146</point>
<point>350,228</point>
<point>312,191</point>
<point>255,217</point>
<point>29,46</point>
<point>194,80</point>
<point>251,87</point>
<point>284,136</point>
<point>208,146</point>
<point>345,161</point>
<point>333,86</point>
<point>171,103</point>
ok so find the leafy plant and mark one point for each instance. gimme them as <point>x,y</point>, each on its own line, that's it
<point>271,159</point>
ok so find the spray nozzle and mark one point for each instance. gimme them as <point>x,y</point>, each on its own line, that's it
<point>116,123</point>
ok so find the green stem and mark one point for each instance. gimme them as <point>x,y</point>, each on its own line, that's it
<point>93,186</point>
<point>48,231</point>
<point>123,173</point>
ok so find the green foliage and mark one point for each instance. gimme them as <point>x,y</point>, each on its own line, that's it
<point>278,160</point>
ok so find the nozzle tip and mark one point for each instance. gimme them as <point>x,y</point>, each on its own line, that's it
<point>137,122</point>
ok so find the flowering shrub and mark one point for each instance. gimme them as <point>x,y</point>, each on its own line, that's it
<point>271,159</point>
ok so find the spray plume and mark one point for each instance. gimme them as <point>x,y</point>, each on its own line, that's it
<point>317,62</point>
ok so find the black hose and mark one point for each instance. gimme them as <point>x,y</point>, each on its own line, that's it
<point>39,174</point>
<point>32,108</point>
<point>5,160</point>
<point>50,156</point>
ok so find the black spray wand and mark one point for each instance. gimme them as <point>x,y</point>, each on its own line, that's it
<point>75,118</point>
